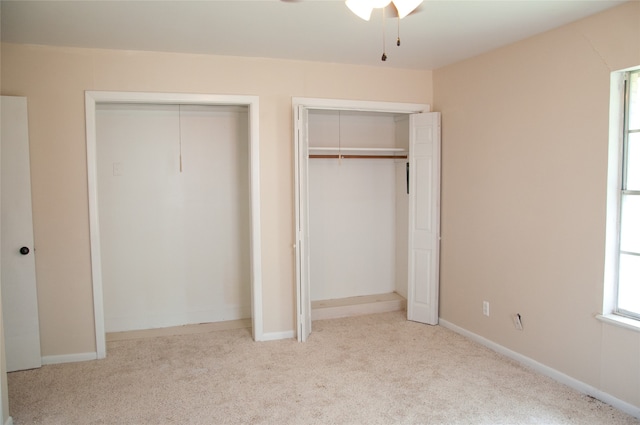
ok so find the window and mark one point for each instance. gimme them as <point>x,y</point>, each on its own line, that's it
<point>628,294</point>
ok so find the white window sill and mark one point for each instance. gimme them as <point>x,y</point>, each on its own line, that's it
<point>621,321</point>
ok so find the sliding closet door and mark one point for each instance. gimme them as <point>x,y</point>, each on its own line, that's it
<point>173,196</point>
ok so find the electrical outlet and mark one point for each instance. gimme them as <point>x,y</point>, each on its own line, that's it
<point>485,308</point>
<point>517,321</point>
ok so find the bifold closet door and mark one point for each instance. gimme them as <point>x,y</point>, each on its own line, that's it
<point>173,210</point>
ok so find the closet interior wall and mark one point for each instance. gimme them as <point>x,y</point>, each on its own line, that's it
<point>358,207</point>
<point>173,194</point>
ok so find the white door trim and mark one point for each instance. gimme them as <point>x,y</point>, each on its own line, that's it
<point>94,97</point>
<point>359,105</point>
<point>303,306</point>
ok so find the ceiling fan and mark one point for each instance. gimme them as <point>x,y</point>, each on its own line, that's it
<point>363,9</point>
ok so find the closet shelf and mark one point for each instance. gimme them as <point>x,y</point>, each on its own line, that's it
<point>352,152</point>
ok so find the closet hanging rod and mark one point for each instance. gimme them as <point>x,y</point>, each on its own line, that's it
<point>358,156</point>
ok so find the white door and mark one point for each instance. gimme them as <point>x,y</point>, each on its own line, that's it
<point>19,297</point>
<point>424,217</point>
<point>302,224</point>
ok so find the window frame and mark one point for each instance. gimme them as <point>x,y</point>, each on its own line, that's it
<point>623,190</point>
<point>610,314</point>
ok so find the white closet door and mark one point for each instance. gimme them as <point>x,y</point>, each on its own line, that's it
<point>302,225</point>
<point>19,295</point>
<point>174,214</point>
<point>424,218</point>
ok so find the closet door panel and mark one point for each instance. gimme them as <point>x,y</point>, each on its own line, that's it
<point>420,293</point>
<point>424,218</point>
<point>215,194</point>
<point>303,278</point>
<point>424,175</point>
<point>173,200</point>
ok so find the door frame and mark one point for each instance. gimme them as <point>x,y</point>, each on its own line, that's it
<point>302,306</point>
<point>104,97</point>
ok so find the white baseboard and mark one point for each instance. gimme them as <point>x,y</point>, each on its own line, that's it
<point>274,336</point>
<point>546,370</point>
<point>69,358</point>
<point>9,421</point>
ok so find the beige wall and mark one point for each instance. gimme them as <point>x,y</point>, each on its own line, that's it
<point>54,80</point>
<point>524,168</point>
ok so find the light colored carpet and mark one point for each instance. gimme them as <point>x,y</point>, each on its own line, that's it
<point>376,369</point>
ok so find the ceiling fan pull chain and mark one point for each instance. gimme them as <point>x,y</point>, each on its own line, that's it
<point>339,137</point>
<point>180,134</point>
<point>398,41</point>
<point>384,54</point>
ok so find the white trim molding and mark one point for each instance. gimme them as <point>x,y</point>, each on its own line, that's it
<point>9,421</point>
<point>69,358</point>
<point>359,105</point>
<point>251,102</point>
<point>620,321</point>
<point>546,370</point>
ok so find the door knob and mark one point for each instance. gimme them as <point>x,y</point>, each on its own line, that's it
<point>24,250</point>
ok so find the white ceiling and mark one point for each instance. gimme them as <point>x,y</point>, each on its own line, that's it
<point>440,32</point>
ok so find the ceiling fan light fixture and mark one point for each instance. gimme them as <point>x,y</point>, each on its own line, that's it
<point>405,7</point>
<point>363,8</point>
<point>378,4</point>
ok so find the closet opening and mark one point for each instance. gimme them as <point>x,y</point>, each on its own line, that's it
<point>173,185</point>
<point>367,209</point>
<point>358,203</point>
